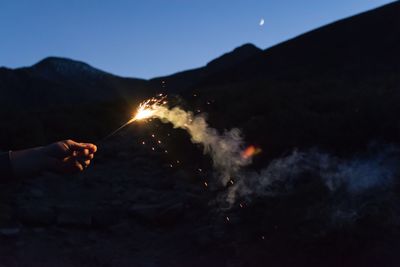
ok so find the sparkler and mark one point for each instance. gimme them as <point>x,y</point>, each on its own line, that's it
<point>145,111</point>
<point>226,150</point>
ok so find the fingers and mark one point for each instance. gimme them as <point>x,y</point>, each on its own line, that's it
<point>81,146</point>
<point>69,156</point>
<point>71,165</point>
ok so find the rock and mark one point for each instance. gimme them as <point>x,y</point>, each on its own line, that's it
<point>106,216</point>
<point>74,217</point>
<point>121,229</point>
<point>36,215</point>
<point>11,231</point>
<point>146,213</point>
<point>37,193</point>
<point>162,215</point>
<point>202,237</point>
<point>171,215</point>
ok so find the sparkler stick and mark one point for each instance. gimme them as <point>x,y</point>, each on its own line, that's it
<point>117,130</point>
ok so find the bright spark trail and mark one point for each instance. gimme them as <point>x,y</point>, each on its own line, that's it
<point>145,111</point>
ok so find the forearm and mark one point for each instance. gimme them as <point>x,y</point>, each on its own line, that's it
<point>27,162</point>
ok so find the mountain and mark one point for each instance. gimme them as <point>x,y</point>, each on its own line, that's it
<point>58,96</point>
<point>360,45</point>
<point>336,87</point>
<point>186,79</point>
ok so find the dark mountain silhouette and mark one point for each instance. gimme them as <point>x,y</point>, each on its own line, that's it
<point>57,96</point>
<point>186,79</point>
<point>62,81</point>
<point>360,45</point>
<point>336,87</point>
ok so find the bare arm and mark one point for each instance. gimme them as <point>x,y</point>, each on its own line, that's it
<point>62,157</point>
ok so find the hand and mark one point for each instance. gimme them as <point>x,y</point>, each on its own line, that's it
<point>62,157</point>
<point>68,156</point>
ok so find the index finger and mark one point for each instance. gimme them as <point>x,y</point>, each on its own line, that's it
<point>81,146</point>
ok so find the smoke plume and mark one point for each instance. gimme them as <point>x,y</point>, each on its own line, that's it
<point>354,175</point>
<point>225,149</point>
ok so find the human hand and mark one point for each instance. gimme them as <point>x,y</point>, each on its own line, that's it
<point>61,157</point>
<point>68,156</point>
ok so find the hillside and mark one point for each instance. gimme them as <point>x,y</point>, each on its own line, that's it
<point>336,87</point>
<point>58,97</point>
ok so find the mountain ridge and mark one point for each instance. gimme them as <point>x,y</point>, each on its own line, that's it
<point>336,87</point>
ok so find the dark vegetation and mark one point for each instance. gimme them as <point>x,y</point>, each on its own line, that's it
<point>336,88</point>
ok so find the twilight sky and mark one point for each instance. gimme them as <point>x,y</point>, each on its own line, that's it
<point>148,38</point>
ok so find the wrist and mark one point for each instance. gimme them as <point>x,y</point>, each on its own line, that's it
<point>27,162</point>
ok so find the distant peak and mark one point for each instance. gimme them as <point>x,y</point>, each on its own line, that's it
<point>55,61</point>
<point>248,47</point>
<point>66,67</point>
<point>239,54</point>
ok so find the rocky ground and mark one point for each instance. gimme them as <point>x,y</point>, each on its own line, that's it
<point>130,208</point>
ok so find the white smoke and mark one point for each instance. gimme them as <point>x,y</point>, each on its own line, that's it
<point>225,149</point>
<point>355,175</point>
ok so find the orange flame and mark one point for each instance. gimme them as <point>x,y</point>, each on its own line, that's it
<point>250,152</point>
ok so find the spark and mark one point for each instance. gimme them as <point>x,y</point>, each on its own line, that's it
<point>227,218</point>
<point>159,141</point>
<point>153,148</point>
<point>143,143</point>
<point>178,161</point>
<point>147,108</point>
<point>153,135</point>
<point>166,151</point>
<point>205,184</point>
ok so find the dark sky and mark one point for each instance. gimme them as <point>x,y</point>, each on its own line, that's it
<point>155,37</point>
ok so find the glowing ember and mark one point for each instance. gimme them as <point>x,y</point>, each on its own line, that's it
<point>250,152</point>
